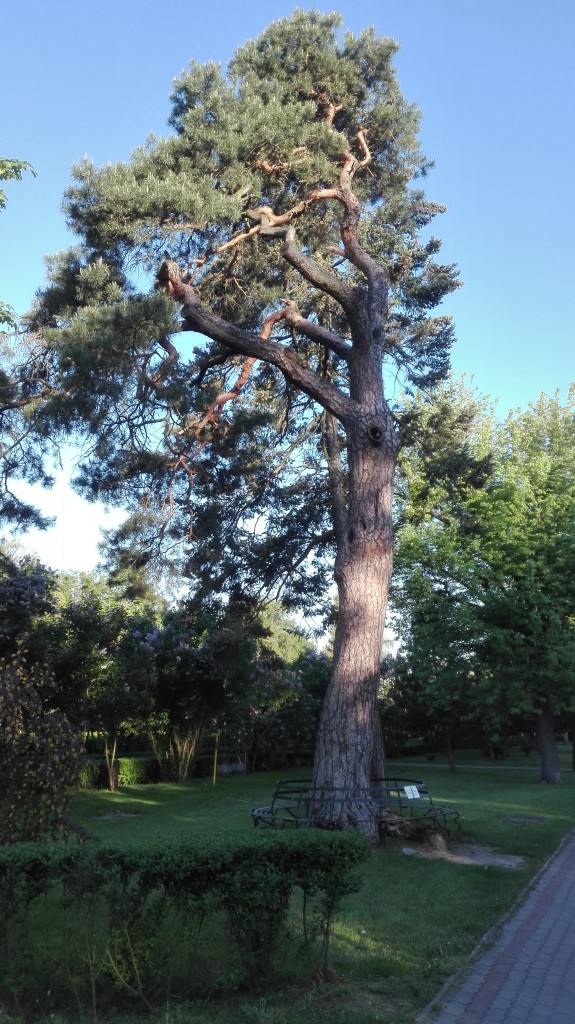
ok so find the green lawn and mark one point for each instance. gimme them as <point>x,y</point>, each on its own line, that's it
<point>413,921</point>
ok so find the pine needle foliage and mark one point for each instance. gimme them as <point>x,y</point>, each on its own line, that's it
<point>269,132</point>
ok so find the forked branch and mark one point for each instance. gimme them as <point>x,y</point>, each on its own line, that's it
<point>236,339</point>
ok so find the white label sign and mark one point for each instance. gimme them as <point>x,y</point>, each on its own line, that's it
<point>411,792</point>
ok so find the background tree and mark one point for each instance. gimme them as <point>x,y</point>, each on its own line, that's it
<point>39,751</point>
<point>530,544</point>
<point>435,671</point>
<point>27,590</point>
<point>39,747</point>
<point>436,676</point>
<point>485,587</point>
<point>286,219</point>
<point>10,170</point>
<point>91,640</point>
<point>204,658</point>
<point>272,716</point>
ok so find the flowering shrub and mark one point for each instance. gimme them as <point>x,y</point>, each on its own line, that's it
<point>39,753</point>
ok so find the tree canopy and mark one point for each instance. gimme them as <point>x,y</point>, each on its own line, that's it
<point>317,136</point>
<point>282,220</point>
<point>485,585</point>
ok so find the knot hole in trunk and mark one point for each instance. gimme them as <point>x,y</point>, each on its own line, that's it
<point>375,433</point>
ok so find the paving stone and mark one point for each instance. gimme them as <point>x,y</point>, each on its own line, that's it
<point>527,976</point>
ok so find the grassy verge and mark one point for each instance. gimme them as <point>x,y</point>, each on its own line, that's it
<point>404,932</point>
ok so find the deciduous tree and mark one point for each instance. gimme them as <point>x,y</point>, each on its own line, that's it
<point>205,660</point>
<point>529,542</point>
<point>486,584</point>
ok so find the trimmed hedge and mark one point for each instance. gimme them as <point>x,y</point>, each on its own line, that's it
<point>124,923</point>
<point>132,771</point>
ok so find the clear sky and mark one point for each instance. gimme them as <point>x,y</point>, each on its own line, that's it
<point>495,80</point>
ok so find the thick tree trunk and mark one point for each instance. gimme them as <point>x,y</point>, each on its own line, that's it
<point>346,736</point>
<point>361,497</point>
<point>550,770</point>
<point>346,740</point>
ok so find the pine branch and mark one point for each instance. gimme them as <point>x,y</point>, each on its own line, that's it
<point>320,278</point>
<point>237,340</point>
<point>316,332</point>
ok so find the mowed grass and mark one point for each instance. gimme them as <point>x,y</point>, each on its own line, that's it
<point>414,920</point>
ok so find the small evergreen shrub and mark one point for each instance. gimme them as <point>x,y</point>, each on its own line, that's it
<point>137,771</point>
<point>90,774</point>
<point>131,771</point>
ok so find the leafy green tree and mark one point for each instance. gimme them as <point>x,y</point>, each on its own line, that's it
<point>437,678</point>
<point>435,671</point>
<point>204,657</point>
<point>486,586</point>
<point>26,594</point>
<point>272,715</point>
<point>91,640</point>
<point>529,541</point>
<point>283,218</point>
<point>10,170</point>
<point>39,747</point>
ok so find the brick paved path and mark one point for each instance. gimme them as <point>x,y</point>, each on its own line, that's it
<point>528,975</point>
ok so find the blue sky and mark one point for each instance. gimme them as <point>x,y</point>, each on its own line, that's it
<point>495,80</point>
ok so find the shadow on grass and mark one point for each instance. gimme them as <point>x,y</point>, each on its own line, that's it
<point>413,921</point>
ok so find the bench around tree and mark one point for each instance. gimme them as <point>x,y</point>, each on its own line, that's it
<point>297,804</point>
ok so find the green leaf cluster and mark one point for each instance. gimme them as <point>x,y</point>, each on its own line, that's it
<point>39,753</point>
<point>484,590</point>
<point>135,912</point>
<point>10,170</point>
<point>270,132</point>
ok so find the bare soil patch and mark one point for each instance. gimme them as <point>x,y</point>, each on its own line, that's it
<point>467,853</point>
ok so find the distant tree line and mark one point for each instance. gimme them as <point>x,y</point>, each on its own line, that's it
<point>109,666</point>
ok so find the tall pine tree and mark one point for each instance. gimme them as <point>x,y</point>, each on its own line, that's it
<point>281,221</point>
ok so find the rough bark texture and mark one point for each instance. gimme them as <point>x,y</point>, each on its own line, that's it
<point>346,739</point>
<point>378,769</point>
